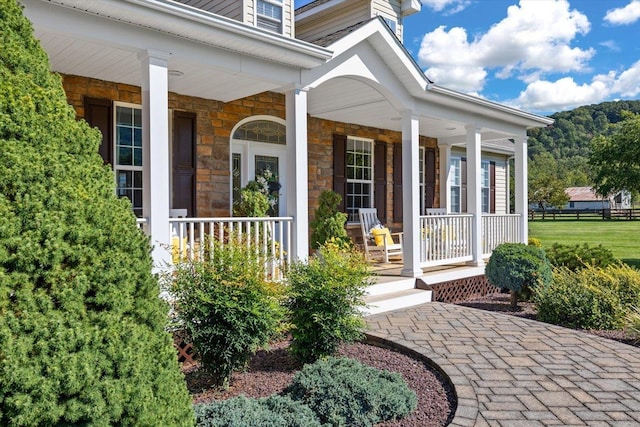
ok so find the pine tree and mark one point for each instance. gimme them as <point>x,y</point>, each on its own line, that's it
<point>82,337</point>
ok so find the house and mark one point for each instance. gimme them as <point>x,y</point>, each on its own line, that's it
<point>196,97</point>
<point>586,198</point>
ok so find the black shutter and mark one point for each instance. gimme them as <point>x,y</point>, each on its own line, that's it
<point>380,179</point>
<point>184,162</point>
<point>430,181</point>
<point>99,113</point>
<point>463,185</point>
<point>340,168</point>
<point>492,187</point>
<point>397,182</point>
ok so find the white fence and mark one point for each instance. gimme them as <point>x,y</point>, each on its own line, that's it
<point>497,229</point>
<point>445,239</point>
<point>270,238</point>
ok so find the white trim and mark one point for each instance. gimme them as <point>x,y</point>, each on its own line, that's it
<point>370,182</point>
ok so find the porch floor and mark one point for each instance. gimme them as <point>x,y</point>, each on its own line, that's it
<point>389,272</point>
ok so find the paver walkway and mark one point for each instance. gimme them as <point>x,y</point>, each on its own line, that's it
<point>509,371</point>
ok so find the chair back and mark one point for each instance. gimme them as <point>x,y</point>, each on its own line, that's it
<point>368,218</point>
<point>436,211</point>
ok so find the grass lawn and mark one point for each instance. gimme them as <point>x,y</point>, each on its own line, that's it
<point>621,237</point>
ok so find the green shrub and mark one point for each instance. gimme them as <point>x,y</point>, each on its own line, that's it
<point>580,299</point>
<point>82,338</point>
<point>633,321</point>
<point>624,280</point>
<point>328,222</point>
<point>253,203</point>
<point>227,308</point>
<point>273,411</point>
<point>577,256</point>
<point>344,392</point>
<point>516,267</point>
<point>325,295</point>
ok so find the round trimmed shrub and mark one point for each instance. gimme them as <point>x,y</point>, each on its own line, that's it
<point>272,411</point>
<point>82,336</point>
<point>516,266</point>
<point>226,307</point>
<point>344,392</point>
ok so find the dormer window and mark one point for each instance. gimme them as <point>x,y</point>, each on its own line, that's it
<point>269,15</point>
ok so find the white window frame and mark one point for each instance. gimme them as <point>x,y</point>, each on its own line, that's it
<point>133,168</point>
<point>352,208</point>
<point>455,182</point>
<point>422,173</point>
<point>485,185</point>
<point>270,19</point>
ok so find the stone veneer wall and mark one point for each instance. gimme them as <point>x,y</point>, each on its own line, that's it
<point>216,119</point>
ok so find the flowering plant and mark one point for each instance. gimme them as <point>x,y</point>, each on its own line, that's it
<point>269,186</point>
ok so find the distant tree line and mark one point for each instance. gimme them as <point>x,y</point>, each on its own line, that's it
<point>561,154</point>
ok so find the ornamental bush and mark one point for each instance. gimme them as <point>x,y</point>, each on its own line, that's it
<point>575,257</point>
<point>82,337</point>
<point>272,411</point>
<point>344,392</point>
<point>227,308</point>
<point>325,297</point>
<point>328,222</point>
<point>516,266</point>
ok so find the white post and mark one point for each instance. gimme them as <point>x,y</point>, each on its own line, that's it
<point>521,186</point>
<point>445,185</point>
<point>298,170</point>
<point>474,191</point>
<point>155,149</point>
<point>410,195</point>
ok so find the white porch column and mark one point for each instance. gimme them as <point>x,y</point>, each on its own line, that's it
<point>410,195</point>
<point>474,192</point>
<point>155,149</point>
<point>298,172</point>
<point>521,195</point>
<point>445,185</point>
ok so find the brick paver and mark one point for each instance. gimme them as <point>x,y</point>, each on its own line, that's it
<point>509,371</point>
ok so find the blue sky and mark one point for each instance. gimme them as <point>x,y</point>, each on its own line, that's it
<point>541,56</point>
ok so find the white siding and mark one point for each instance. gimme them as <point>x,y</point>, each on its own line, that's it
<point>501,187</point>
<point>390,9</point>
<point>316,27</point>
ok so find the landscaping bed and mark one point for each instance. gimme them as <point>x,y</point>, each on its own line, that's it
<point>271,372</point>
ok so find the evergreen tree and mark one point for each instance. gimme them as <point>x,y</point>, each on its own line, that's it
<point>82,337</point>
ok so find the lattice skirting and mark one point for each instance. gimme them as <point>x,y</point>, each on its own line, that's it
<point>462,289</point>
<point>184,349</point>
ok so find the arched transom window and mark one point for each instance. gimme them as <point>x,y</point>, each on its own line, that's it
<point>262,131</point>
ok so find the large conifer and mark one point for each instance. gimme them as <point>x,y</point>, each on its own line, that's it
<point>81,323</point>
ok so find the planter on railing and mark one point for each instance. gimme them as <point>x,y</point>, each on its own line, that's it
<point>270,238</point>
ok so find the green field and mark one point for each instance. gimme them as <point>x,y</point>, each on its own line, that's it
<point>621,237</point>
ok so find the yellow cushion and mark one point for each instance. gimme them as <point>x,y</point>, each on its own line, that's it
<point>178,255</point>
<point>380,235</point>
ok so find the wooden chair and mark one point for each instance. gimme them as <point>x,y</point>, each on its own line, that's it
<point>378,240</point>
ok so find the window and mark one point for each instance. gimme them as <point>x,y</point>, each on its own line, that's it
<point>455,183</point>
<point>269,15</point>
<point>359,164</point>
<point>128,154</point>
<point>485,183</point>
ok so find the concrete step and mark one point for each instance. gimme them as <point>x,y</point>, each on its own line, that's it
<point>395,300</point>
<point>388,284</point>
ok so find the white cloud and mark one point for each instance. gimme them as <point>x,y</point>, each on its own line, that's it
<point>611,45</point>
<point>624,15</point>
<point>533,38</point>
<point>467,79</point>
<point>565,93</point>
<point>448,6</point>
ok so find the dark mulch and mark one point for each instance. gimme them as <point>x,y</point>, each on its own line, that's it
<point>500,302</point>
<point>271,372</point>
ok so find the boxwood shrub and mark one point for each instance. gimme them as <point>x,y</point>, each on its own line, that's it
<point>272,411</point>
<point>344,392</point>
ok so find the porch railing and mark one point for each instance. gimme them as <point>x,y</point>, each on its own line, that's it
<point>270,238</point>
<point>497,229</point>
<point>445,239</point>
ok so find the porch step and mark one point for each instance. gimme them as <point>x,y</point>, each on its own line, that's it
<point>395,300</point>
<point>392,293</point>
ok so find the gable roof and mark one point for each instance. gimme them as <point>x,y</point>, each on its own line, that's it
<point>583,194</point>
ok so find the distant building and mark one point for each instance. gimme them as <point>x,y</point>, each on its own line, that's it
<point>586,198</point>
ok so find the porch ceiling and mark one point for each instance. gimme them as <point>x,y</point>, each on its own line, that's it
<point>218,58</point>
